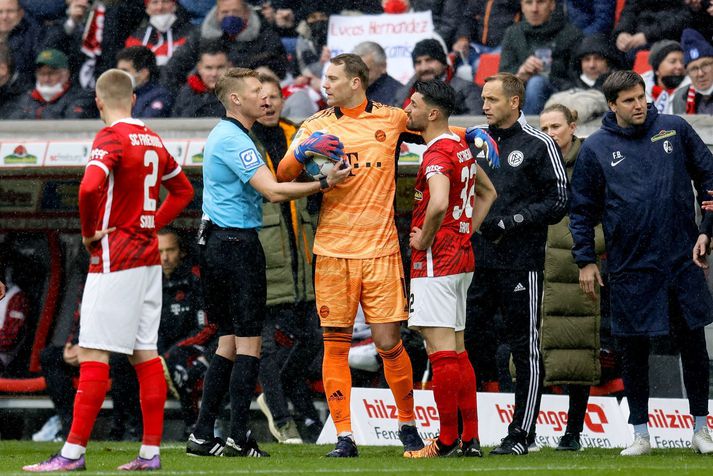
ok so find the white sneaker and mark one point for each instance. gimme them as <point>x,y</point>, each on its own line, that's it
<point>533,448</point>
<point>640,446</point>
<point>702,441</point>
<point>49,430</point>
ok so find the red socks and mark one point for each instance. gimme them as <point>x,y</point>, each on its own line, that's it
<point>93,382</point>
<point>152,393</point>
<point>467,398</point>
<point>446,389</point>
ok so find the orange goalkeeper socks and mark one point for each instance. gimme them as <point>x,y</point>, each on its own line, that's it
<point>337,378</point>
<point>399,376</point>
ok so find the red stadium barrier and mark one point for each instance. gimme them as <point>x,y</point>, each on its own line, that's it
<point>22,385</point>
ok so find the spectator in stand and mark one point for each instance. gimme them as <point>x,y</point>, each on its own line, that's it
<point>44,10</point>
<point>11,87</point>
<point>702,13</point>
<point>698,57</point>
<point>667,76</point>
<point>591,17</point>
<point>539,50</point>
<point>281,16</point>
<point>644,22</point>
<point>479,28</point>
<point>196,97</point>
<point>382,88</point>
<point>14,309</point>
<point>594,58</point>
<point>152,99</point>
<point>430,62</point>
<point>311,49</point>
<point>54,95</point>
<point>248,41</point>
<point>92,33</point>
<point>22,36</point>
<point>290,336</point>
<point>162,32</point>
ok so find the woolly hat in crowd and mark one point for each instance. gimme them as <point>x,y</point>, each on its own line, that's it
<point>430,48</point>
<point>694,46</point>
<point>660,50</point>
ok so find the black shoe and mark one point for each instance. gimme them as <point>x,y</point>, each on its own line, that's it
<point>513,444</point>
<point>471,448</point>
<point>570,442</point>
<point>408,434</point>
<point>245,449</point>
<point>200,447</point>
<point>345,448</point>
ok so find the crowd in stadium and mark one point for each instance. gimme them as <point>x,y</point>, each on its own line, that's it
<point>177,52</point>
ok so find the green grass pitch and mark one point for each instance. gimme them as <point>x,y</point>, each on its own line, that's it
<point>104,457</point>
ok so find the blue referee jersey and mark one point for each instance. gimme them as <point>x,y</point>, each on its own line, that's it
<point>230,160</point>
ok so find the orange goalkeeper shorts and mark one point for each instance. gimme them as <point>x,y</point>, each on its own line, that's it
<point>377,283</point>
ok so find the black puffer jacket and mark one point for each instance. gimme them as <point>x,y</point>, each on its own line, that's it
<point>657,19</point>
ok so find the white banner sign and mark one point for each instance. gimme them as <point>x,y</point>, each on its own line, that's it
<point>67,154</point>
<point>397,34</point>
<point>374,419</point>
<point>670,423</point>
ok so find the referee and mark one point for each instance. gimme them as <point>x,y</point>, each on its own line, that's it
<point>235,180</point>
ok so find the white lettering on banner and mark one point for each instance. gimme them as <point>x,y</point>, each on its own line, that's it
<point>374,419</point>
<point>397,34</point>
<point>670,423</point>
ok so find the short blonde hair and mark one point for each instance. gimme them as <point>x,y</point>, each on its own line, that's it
<point>232,80</point>
<point>115,87</point>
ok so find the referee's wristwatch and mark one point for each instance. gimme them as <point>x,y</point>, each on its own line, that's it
<point>324,184</point>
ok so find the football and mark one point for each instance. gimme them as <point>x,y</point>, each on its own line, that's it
<point>318,166</point>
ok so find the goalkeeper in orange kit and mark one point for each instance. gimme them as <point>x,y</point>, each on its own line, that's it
<point>357,251</point>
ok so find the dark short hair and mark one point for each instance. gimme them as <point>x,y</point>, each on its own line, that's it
<point>170,230</point>
<point>268,78</point>
<point>437,93</point>
<point>354,66</point>
<point>140,57</point>
<point>620,81</point>
<point>512,86</point>
<point>211,47</point>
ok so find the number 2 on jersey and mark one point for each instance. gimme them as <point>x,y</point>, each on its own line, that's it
<point>467,194</point>
<point>150,161</point>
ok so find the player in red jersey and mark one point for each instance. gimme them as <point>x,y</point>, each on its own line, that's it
<point>442,263</point>
<point>121,306</point>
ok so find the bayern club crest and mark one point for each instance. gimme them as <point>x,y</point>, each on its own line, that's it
<point>515,158</point>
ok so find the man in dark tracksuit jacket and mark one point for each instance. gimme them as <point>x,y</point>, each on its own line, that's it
<point>634,175</point>
<point>510,248</point>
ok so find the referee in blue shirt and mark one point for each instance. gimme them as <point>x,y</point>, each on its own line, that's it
<point>235,180</point>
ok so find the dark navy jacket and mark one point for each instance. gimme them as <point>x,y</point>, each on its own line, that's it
<point>152,100</point>
<point>637,182</point>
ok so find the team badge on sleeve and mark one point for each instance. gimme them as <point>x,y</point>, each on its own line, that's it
<point>250,159</point>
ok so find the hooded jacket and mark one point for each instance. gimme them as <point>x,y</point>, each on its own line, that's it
<point>656,19</point>
<point>522,39</point>
<point>594,44</point>
<point>195,100</point>
<point>256,45</point>
<point>636,181</point>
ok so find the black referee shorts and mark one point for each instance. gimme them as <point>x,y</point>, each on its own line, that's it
<point>233,277</point>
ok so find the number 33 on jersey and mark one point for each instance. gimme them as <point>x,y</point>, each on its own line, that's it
<point>451,251</point>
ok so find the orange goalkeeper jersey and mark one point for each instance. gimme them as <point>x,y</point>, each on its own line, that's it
<point>357,217</point>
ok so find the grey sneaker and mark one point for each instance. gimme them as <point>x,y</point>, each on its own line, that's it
<point>287,433</point>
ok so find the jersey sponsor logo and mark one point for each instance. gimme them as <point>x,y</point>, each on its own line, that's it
<point>145,140</point>
<point>616,158</point>
<point>667,146</point>
<point>380,135</point>
<point>97,154</point>
<point>434,169</point>
<point>518,288</point>
<point>418,265</point>
<point>324,311</point>
<point>464,155</point>
<point>663,134</point>
<point>250,159</point>
<point>515,158</point>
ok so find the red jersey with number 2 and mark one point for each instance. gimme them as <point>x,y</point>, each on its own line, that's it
<point>451,251</point>
<point>135,162</point>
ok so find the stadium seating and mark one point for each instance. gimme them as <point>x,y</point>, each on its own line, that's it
<point>641,63</point>
<point>488,66</point>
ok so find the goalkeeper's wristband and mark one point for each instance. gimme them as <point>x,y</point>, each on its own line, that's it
<point>323,183</point>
